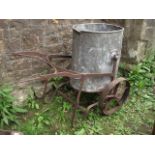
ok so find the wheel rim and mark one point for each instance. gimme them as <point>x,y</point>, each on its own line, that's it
<point>111,93</point>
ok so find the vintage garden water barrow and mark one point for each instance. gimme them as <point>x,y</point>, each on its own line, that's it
<point>94,65</point>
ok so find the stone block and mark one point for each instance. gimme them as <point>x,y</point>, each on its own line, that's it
<point>38,22</point>
<point>38,63</point>
<point>13,45</point>
<point>21,95</point>
<point>0,61</point>
<point>29,40</point>
<point>52,29</point>
<point>21,64</point>
<point>147,33</point>
<point>32,38</point>
<point>40,70</point>
<point>19,24</point>
<point>2,46</point>
<point>134,31</point>
<point>11,34</point>
<point>14,33</point>
<point>10,57</point>
<point>141,50</point>
<point>54,21</point>
<point>120,22</point>
<point>39,32</point>
<point>16,77</point>
<point>14,63</point>
<point>137,54</point>
<point>66,34</point>
<point>51,40</point>
<point>150,22</point>
<point>57,48</point>
<point>63,22</point>
<point>1,34</point>
<point>138,22</point>
<point>4,23</point>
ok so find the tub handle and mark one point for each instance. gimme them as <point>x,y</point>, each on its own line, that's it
<point>114,54</point>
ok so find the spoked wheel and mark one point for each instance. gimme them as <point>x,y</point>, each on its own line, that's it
<point>114,95</point>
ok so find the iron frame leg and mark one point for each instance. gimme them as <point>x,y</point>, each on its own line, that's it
<point>76,105</point>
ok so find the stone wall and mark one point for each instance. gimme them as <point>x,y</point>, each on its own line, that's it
<point>56,36</point>
<point>31,35</point>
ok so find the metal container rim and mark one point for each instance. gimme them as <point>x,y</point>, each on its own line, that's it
<point>120,29</point>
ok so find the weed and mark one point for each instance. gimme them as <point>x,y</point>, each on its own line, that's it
<point>41,120</point>
<point>32,103</point>
<point>8,111</point>
<point>63,108</point>
<point>56,81</point>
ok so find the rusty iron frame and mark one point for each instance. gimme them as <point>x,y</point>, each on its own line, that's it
<point>106,94</point>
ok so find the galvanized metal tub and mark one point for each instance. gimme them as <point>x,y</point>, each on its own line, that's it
<point>93,47</point>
